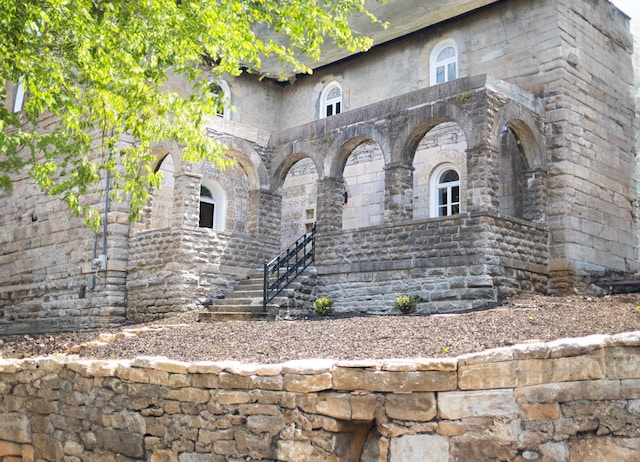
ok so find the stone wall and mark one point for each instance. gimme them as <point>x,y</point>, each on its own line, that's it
<point>177,269</point>
<point>566,401</point>
<point>455,263</point>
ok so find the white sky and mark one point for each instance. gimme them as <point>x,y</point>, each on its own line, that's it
<point>632,8</point>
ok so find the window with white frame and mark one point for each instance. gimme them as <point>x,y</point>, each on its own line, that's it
<point>221,88</point>
<point>213,206</point>
<point>331,100</point>
<point>444,62</point>
<point>445,192</point>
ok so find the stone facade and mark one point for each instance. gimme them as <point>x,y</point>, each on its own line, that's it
<point>539,125</point>
<point>566,401</point>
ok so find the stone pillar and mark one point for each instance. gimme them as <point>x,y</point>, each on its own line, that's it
<point>482,179</point>
<point>264,215</point>
<point>398,194</point>
<point>186,200</point>
<point>329,203</point>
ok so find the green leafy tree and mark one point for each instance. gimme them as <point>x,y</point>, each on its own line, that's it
<point>99,66</point>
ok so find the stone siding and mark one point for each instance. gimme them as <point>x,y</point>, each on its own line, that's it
<point>566,401</point>
<point>455,263</point>
<point>166,279</point>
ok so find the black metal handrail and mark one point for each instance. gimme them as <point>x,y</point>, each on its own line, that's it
<point>283,269</point>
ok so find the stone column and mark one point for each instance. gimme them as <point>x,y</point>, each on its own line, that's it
<point>482,179</point>
<point>264,215</point>
<point>398,194</point>
<point>186,200</point>
<point>329,203</point>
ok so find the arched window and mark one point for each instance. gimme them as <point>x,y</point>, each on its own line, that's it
<point>212,206</point>
<point>445,192</point>
<point>331,100</point>
<point>207,208</point>
<point>221,88</point>
<point>444,62</point>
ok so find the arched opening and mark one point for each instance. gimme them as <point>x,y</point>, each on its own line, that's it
<point>162,197</point>
<point>439,157</point>
<point>363,176</point>
<point>299,192</point>
<point>225,198</point>
<point>521,187</point>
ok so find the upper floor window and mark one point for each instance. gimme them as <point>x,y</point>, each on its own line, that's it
<point>221,88</point>
<point>445,192</point>
<point>444,62</point>
<point>331,100</point>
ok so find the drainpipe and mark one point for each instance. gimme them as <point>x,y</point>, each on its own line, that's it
<point>99,262</point>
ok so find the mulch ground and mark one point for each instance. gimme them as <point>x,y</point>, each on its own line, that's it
<point>525,319</point>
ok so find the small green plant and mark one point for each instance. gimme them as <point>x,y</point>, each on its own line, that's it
<point>637,308</point>
<point>323,306</point>
<point>406,304</point>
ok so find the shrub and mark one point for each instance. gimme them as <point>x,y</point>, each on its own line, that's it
<point>406,304</point>
<point>323,306</point>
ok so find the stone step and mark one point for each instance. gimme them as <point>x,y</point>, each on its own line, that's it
<point>209,316</point>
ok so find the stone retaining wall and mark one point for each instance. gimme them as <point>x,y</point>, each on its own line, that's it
<point>456,263</point>
<point>197,265</point>
<point>569,400</point>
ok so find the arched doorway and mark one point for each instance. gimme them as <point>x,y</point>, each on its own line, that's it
<point>299,193</point>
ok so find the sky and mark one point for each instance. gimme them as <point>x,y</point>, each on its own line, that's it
<point>632,8</point>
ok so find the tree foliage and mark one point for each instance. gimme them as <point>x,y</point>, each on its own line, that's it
<point>99,66</point>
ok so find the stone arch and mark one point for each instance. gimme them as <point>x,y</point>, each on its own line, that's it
<point>521,165</point>
<point>298,189</point>
<point>249,160</point>
<point>348,141</point>
<point>423,120</point>
<point>359,166</point>
<point>284,162</point>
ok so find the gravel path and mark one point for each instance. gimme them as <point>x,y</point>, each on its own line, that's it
<point>524,319</point>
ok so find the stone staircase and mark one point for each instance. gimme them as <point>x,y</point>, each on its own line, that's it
<point>244,302</point>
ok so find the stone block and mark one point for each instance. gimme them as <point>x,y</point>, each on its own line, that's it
<point>121,442</point>
<point>307,383</point>
<point>266,424</point>
<point>15,427</point>
<point>603,450</point>
<point>414,448</point>
<point>526,372</point>
<point>9,449</point>
<point>190,395</point>
<point>540,411</point>
<point>623,362</point>
<point>464,404</point>
<point>420,407</point>
<point>336,405</point>
<point>385,381</point>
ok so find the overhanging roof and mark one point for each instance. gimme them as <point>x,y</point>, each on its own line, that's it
<point>403,17</point>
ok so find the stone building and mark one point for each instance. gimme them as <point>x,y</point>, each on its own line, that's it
<point>479,149</point>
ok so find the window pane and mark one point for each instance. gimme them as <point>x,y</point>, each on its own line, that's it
<point>329,110</point>
<point>204,191</point>
<point>440,74</point>
<point>334,93</point>
<point>455,209</point>
<point>442,211</point>
<point>451,72</point>
<point>206,215</point>
<point>455,194</point>
<point>449,176</point>
<point>338,110</point>
<point>448,52</point>
<point>442,196</point>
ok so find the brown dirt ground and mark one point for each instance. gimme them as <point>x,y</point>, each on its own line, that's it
<point>525,319</point>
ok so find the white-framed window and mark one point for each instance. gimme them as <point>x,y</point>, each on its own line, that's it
<point>212,206</point>
<point>18,100</point>
<point>443,63</point>
<point>222,88</point>
<point>445,191</point>
<point>331,100</point>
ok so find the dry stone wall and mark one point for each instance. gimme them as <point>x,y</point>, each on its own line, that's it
<point>566,401</point>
